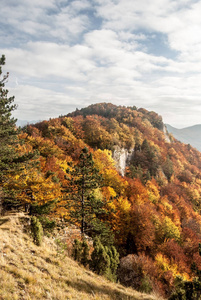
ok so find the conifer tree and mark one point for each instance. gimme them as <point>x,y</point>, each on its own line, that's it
<point>10,160</point>
<point>83,179</point>
<point>100,260</point>
<point>8,132</point>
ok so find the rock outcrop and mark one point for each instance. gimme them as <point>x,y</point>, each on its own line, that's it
<point>122,157</point>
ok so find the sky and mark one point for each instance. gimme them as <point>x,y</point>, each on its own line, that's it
<point>68,54</point>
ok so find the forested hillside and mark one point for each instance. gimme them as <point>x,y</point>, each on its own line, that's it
<point>64,169</point>
<point>153,211</point>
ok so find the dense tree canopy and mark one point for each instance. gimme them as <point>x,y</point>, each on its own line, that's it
<point>153,211</point>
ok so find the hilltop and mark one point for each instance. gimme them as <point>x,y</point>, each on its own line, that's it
<point>32,272</point>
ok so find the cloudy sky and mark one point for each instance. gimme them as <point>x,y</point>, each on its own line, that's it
<point>68,54</point>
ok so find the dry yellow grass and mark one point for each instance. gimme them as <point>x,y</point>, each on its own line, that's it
<point>31,272</point>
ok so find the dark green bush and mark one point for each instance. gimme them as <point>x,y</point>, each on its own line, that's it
<point>100,260</point>
<point>48,225</point>
<point>77,250</point>
<point>36,230</point>
<point>84,254</point>
<point>114,262</point>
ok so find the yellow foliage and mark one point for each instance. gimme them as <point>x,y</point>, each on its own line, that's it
<point>121,216</point>
<point>153,191</point>
<point>170,230</point>
<point>63,164</point>
<point>106,165</point>
<point>165,265</point>
<point>97,194</point>
<point>34,188</point>
<point>108,192</point>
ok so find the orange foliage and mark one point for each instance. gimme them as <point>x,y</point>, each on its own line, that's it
<point>156,211</point>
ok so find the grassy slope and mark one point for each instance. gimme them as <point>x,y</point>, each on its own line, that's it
<point>31,272</point>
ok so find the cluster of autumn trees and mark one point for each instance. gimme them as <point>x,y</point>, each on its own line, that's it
<point>64,168</point>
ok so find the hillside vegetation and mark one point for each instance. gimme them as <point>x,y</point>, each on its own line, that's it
<point>149,212</point>
<point>31,272</point>
<point>153,211</point>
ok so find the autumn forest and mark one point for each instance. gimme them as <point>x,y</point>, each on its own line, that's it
<point>117,174</point>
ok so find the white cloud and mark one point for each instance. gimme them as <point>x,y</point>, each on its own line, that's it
<point>180,20</point>
<point>45,19</point>
<point>68,54</point>
<point>38,104</point>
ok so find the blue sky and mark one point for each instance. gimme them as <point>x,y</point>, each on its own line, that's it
<point>64,55</point>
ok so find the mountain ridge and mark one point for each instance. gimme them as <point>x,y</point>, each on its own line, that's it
<point>188,135</point>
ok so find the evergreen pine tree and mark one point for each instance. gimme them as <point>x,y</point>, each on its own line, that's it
<point>114,260</point>
<point>100,260</point>
<point>83,179</point>
<point>8,132</point>
<point>10,160</point>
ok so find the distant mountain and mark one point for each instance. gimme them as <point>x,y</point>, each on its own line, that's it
<point>188,135</point>
<point>23,123</point>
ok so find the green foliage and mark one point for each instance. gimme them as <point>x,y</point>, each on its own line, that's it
<point>145,161</point>
<point>77,250</point>
<point>84,254</point>
<point>104,260</point>
<point>43,209</point>
<point>168,168</point>
<point>48,225</point>
<point>8,134</point>
<point>80,252</point>
<point>83,179</point>
<point>61,247</point>
<point>146,286</point>
<point>102,231</point>
<point>169,230</point>
<point>186,290</point>
<point>100,260</point>
<point>36,230</point>
<point>11,162</point>
<point>114,262</point>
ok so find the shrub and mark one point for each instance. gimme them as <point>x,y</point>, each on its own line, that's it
<point>36,230</point>
<point>84,253</point>
<point>77,250</point>
<point>48,225</point>
<point>100,260</point>
<point>80,252</point>
<point>114,262</point>
<point>104,260</point>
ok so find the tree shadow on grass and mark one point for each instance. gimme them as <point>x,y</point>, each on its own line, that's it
<point>4,220</point>
<point>92,289</point>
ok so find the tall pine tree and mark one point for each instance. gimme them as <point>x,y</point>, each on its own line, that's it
<point>8,132</point>
<point>83,179</point>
